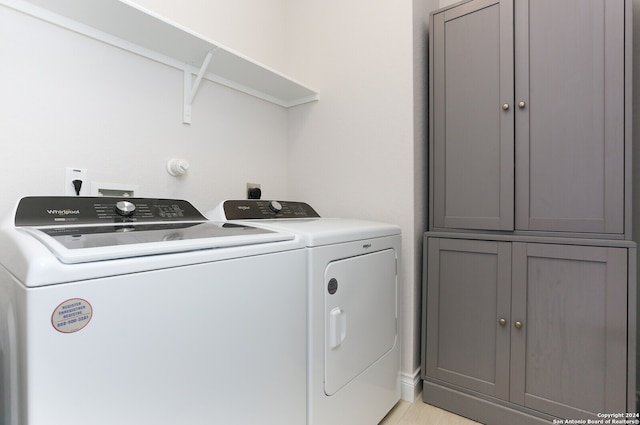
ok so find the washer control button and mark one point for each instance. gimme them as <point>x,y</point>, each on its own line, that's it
<point>125,208</point>
<point>275,206</point>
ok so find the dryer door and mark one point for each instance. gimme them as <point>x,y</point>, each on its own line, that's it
<point>360,315</point>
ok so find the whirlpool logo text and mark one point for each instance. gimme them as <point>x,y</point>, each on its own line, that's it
<point>63,212</point>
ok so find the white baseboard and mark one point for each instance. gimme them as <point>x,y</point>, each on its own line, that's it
<point>410,386</point>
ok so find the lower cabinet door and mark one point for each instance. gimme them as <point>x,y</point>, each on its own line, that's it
<point>468,297</point>
<point>568,329</point>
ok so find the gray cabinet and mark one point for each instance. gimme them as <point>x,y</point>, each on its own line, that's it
<point>570,133</point>
<point>472,136</point>
<point>529,271</point>
<point>550,155</point>
<point>470,287</point>
<point>569,356</point>
<point>541,326</point>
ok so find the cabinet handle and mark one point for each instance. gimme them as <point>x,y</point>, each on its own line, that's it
<point>521,104</point>
<point>505,106</point>
<point>518,325</point>
<point>502,322</point>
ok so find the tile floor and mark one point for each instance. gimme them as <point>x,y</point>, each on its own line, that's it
<point>419,413</point>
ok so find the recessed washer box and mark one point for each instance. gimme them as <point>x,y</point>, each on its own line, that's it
<point>114,189</point>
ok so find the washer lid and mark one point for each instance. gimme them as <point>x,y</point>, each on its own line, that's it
<point>85,229</point>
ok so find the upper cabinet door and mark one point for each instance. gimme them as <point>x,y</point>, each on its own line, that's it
<point>472,116</point>
<point>570,115</point>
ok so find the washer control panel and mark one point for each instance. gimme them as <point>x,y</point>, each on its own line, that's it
<point>254,209</point>
<point>62,210</point>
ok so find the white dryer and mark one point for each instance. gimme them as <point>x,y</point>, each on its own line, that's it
<point>353,303</point>
<point>141,311</point>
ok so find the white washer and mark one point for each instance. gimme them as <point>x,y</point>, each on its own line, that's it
<point>353,299</point>
<point>160,317</point>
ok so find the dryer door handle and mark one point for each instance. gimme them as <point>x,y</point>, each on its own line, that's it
<point>337,327</point>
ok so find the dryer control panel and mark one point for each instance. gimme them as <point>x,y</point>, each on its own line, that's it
<point>253,209</point>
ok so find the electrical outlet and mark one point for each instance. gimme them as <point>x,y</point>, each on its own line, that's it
<point>253,191</point>
<point>76,182</point>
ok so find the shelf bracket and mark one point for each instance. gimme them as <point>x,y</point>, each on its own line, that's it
<point>191,88</point>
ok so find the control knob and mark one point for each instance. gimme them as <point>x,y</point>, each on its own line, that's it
<point>125,208</point>
<point>275,206</point>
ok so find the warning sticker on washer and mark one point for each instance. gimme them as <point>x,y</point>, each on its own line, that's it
<point>72,315</point>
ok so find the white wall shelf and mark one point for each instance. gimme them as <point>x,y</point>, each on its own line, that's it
<point>126,25</point>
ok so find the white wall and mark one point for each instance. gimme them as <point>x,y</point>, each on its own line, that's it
<point>360,151</point>
<point>68,100</point>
